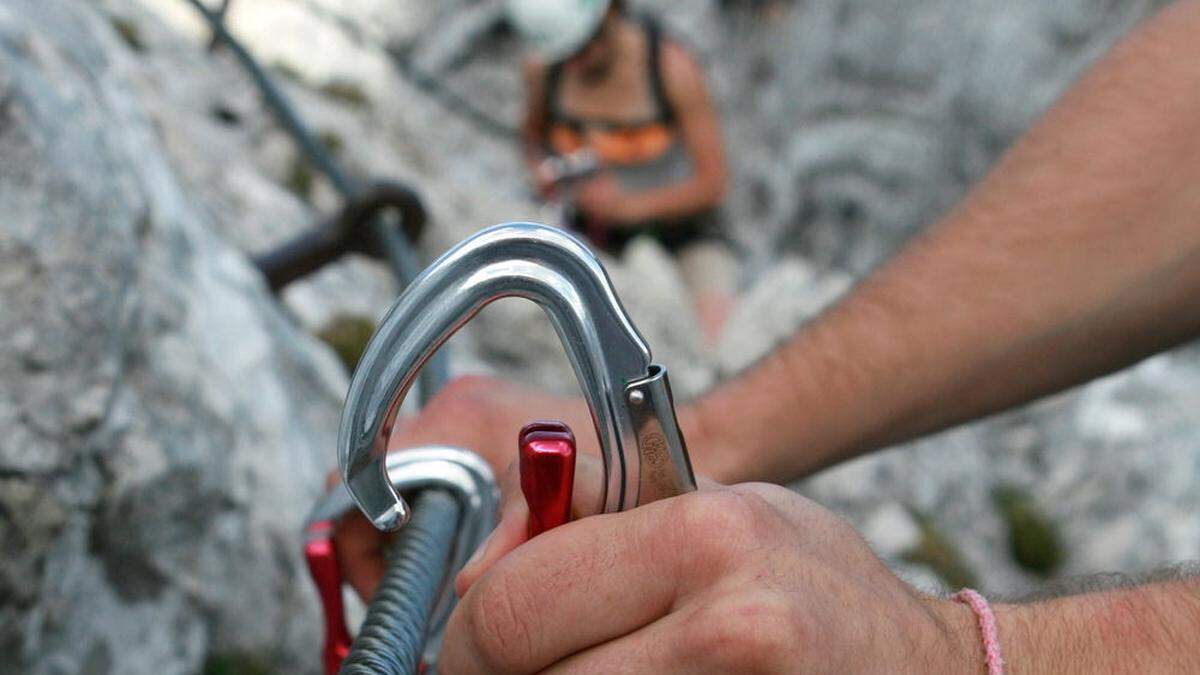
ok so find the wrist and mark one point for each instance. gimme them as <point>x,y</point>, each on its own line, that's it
<point>954,645</point>
<point>708,455</point>
<point>735,442</point>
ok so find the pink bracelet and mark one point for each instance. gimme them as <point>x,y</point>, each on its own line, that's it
<point>987,626</point>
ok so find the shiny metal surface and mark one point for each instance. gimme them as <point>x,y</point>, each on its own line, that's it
<point>459,472</point>
<point>666,469</point>
<point>546,465</point>
<point>558,272</point>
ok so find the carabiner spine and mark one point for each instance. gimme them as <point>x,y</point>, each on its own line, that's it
<point>664,468</point>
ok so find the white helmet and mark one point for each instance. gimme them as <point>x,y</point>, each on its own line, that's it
<point>556,29</point>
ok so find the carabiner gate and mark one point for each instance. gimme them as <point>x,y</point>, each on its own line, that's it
<point>644,454</point>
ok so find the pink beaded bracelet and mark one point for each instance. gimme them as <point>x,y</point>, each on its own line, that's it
<point>987,627</point>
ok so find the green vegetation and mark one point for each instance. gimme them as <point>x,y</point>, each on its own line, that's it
<point>1033,538</point>
<point>346,92</point>
<point>237,663</point>
<point>300,179</point>
<point>129,32</point>
<point>332,141</point>
<point>348,334</point>
<point>287,72</point>
<point>939,554</point>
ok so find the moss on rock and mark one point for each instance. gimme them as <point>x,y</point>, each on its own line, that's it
<point>332,141</point>
<point>129,32</point>
<point>1033,538</point>
<point>347,92</point>
<point>237,663</point>
<point>348,335</point>
<point>300,179</point>
<point>938,553</point>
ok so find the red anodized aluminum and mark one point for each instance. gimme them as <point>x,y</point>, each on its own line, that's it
<point>323,565</point>
<point>547,467</point>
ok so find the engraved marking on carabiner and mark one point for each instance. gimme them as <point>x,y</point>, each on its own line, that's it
<point>653,446</point>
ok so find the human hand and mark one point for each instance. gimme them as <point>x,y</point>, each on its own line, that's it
<point>603,199</point>
<point>480,414</point>
<point>749,578</point>
<point>545,181</point>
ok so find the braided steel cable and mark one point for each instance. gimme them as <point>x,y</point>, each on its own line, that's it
<point>392,637</point>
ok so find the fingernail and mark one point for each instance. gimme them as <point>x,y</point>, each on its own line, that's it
<point>479,552</point>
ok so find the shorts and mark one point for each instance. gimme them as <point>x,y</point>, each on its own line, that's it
<point>673,236</point>
<point>706,262</point>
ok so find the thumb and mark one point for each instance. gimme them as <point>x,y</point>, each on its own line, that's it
<point>513,529</point>
<point>510,533</point>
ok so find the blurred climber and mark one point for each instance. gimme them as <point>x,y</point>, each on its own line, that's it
<point>619,123</point>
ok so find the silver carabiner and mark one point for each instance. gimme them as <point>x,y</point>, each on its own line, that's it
<point>644,454</point>
<point>462,474</point>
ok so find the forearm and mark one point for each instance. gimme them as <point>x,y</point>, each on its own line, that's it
<point>574,411</point>
<point>1148,629</point>
<point>672,202</point>
<point>1078,255</point>
<point>499,409</point>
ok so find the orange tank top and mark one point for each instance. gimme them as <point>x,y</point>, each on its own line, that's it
<point>614,143</point>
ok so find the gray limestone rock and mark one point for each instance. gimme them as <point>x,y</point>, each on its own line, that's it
<point>165,424</point>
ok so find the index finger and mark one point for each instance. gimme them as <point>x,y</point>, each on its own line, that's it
<point>580,585</point>
<point>359,549</point>
<point>511,531</point>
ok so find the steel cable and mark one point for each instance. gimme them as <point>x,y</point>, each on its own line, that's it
<point>392,636</point>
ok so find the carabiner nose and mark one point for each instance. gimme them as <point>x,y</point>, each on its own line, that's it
<point>643,451</point>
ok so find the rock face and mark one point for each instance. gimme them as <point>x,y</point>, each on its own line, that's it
<point>861,122</point>
<point>163,421</point>
<point>167,423</point>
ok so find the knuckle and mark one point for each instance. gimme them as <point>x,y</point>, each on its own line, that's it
<point>709,513</point>
<point>768,493</point>
<point>750,633</point>
<point>498,616</point>
<point>721,523</point>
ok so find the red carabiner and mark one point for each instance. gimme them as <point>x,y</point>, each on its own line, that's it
<point>547,466</point>
<point>323,565</point>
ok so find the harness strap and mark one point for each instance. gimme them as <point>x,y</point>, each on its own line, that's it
<point>665,114</point>
<point>658,87</point>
